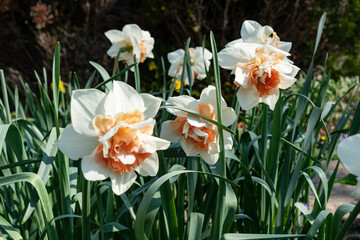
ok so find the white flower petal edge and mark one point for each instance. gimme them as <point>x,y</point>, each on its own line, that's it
<point>122,182</point>
<point>76,145</point>
<point>349,152</point>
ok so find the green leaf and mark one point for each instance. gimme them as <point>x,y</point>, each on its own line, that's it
<point>13,232</point>
<point>243,236</point>
<point>36,181</point>
<point>338,216</point>
<point>349,179</point>
<point>195,225</point>
<point>317,224</point>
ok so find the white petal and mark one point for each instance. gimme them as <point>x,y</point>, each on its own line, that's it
<point>285,46</point>
<point>349,152</point>
<point>241,76</point>
<point>85,105</point>
<point>210,159</point>
<point>294,71</point>
<point>169,131</point>
<point>122,99</point>
<point>208,95</point>
<point>252,31</point>
<point>175,56</point>
<point>228,116</point>
<point>271,99</point>
<point>188,147</point>
<point>132,30</point>
<point>114,35</point>
<point>184,101</point>
<point>153,144</point>
<point>122,182</point>
<point>244,53</point>
<point>174,68</point>
<point>114,50</point>
<point>228,142</point>
<point>286,81</point>
<point>283,67</point>
<point>94,170</point>
<point>126,159</point>
<point>75,145</point>
<point>150,166</point>
<point>248,97</point>
<point>152,105</point>
<point>195,121</point>
<point>233,43</point>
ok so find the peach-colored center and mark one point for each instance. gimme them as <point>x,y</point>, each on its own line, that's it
<point>142,51</point>
<point>124,142</point>
<point>199,142</point>
<point>264,81</point>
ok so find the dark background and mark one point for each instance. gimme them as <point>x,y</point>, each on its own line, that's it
<point>29,31</point>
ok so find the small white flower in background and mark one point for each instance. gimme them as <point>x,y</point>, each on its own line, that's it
<point>199,60</point>
<point>112,133</point>
<point>129,42</point>
<point>260,71</point>
<point>253,32</point>
<point>349,154</point>
<point>197,136</point>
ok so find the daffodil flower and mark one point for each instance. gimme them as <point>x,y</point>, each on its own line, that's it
<point>199,60</point>
<point>260,71</point>
<point>253,32</point>
<point>349,152</point>
<point>61,86</point>
<point>198,136</point>
<point>129,42</point>
<point>112,135</point>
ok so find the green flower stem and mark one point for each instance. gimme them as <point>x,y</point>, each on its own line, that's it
<point>85,214</point>
<point>168,201</point>
<point>348,222</point>
<point>217,229</point>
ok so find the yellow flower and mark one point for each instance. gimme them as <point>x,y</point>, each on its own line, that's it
<point>177,85</point>
<point>61,86</point>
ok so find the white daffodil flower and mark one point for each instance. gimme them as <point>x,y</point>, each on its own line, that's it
<point>260,71</point>
<point>112,135</point>
<point>199,60</point>
<point>349,154</point>
<point>253,32</point>
<point>129,42</point>
<point>198,136</point>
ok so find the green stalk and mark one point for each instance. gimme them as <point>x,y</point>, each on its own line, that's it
<point>137,76</point>
<point>263,146</point>
<point>216,230</point>
<point>5,97</point>
<point>168,201</point>
<point>348,222</point>
<point>85,214</point>
<point>99,200</point>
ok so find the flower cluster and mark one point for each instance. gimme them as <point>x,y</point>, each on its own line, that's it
<point>259,61</point>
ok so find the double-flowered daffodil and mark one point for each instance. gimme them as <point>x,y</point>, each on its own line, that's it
<point>112,135</point>
<point>199,61</point>
<point>259,61</point>
<point>349,152</point>
<point>198,136</point>
<point>129,42</point>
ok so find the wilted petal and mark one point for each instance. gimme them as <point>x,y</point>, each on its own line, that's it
<point>122,182</point>
<point>75,145</point>
<point>349,152</point>
<point>285,46</point>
